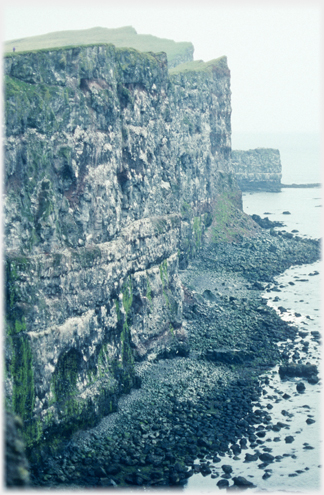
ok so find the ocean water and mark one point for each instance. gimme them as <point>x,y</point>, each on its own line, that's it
<point>304,207</point>
<point>298,469</point>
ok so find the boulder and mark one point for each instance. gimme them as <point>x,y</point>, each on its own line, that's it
<point>297,370</point>
<point>222,483</point>
<point>227,468</point>
<point>313,379</point>
<point>300,387</point>
<point>265,457</point>
<point>209,295</point>
<point>251,457</point>
<point>242,482</point>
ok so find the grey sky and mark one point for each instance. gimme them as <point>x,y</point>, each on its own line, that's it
<point>273,48</point>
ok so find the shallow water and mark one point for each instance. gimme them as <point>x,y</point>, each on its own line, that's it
<point>304,206</point>
<point>299,468</point>
<point>300,473</point>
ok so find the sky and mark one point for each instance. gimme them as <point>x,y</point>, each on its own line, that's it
<point>273,49</point>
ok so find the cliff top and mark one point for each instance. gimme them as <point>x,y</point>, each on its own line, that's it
<point>125,37</point>
<point>200,66</point>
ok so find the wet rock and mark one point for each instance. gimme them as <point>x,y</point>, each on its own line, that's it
<point>281,424</point>
<point>236,449</point>
<point>226,476</point>
<point>243,443</point>
<point>265,223</point>
<point>286,413</point>
<point>313,379</point>
<point>222,483</point>
<point>300,387</point>
<point>251,457</point>
<point>297,370</point>
<point>289,439</point>
<point>205,470</point>
<point>227,468</point>
<point>310,421</point>
<point>242,482</point>
<point>266,457</point>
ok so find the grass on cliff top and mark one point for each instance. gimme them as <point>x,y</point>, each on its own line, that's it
<point>199,66</point>
<point>125,37</point>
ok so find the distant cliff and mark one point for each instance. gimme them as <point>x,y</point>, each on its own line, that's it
<point>177,52</point>
<point>114,172</point>
<point>258,169</point>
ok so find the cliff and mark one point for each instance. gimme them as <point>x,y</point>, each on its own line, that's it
<point>124,37</point>
<point>258,169</point>
<point>115,172</point>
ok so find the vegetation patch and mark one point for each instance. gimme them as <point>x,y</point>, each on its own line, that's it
<point>228,223</point>
<point>23,396</point>
<point>197,66</point>
<point>15,315</point>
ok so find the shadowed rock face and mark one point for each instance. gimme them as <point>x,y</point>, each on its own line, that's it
<point>16,465</point>
<point>258,169</point>
<point>113,170</point>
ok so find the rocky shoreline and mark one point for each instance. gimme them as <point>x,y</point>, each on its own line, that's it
<point>190,410</point>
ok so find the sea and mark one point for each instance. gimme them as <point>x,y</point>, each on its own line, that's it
<point>297,467</point>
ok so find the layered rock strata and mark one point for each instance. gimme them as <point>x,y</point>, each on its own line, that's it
<point>258,169</point>
<point>113,172</point>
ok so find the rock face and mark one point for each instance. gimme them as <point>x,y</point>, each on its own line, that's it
<point>16,464</point>
<point>113,172</point>
<point>258,169</point>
